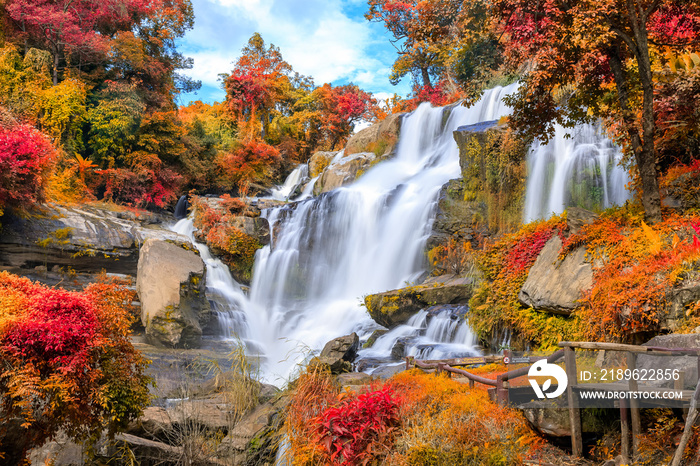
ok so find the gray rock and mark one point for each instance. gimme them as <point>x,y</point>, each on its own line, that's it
<point>343,172</point>
<point>381,137</point>
<point>577,217</point>
<point>548,418</point>
<point>686,364</point>
<point>393,308</point>
<point>171,286</point>
<point>61,451</point>
<point>677,300</point>
<point>339,353</point>
<point>398,351</point>
<point>373,337</point>
<point>555,285</point>
<point>353,379</point>
<point>85,238</point>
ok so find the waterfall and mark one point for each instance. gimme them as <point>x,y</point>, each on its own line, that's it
<point>327,253</point>
<point>296,178</point>
<point>225,295</point>
<point>582,170</point>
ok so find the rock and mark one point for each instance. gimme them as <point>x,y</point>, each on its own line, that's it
<point>60,451</point>
<point>171,286</point>
<point>153,423</point>
<point>319,161</point>
<point>577,217</point>
<point>686,364</point>
<point>493,163</point>
<point>380,138</point>
<point>373,337</point>
<point>343,172</point>
<point>153,451</point>
<point>546,417</point>
<point>555,285</point>
<point>677,301</point>
<point>339,353</point>
<point>393,308</point>
<point>398,351</point>
<point>85,238</point>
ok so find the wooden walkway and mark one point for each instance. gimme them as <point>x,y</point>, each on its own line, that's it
<point>629,408</point>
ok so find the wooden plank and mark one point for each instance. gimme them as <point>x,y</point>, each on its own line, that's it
<point>574,411</point>
<point>625,433</point>
<point>634,406</point>
<point>657,351</point>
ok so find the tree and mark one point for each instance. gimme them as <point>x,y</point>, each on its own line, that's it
<point>77,27</point>
<point>598,58</point>
<point>25,158</point>
<point>340,108</point>
<point>422,32</point>
<point>258,83</point>
<point>67,364</point>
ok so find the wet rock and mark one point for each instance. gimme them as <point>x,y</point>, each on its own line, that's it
<point>555,285</point>
<point>319,161</point>
<point>340,353</point>
<point>343,172</point>
<point>380,138</point>
<point>171,286</point>
<point>373,337</point>
<point>393,308</point>
<point>398,351</point>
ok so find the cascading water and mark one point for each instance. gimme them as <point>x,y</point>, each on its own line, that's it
<point>582,171</point>
<point>224,293</point>
<point>296,178</point>
<point>328,252</point>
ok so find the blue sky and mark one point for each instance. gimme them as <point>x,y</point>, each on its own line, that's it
<point>329,40</point>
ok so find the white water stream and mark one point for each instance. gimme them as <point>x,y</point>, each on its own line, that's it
<point>327,253</point>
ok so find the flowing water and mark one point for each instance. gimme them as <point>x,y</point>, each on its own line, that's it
<point>327,253</point>
<point>581,170</point>
<point>297,177</point>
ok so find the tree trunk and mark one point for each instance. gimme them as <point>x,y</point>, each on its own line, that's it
<point>426,77</point>
<point>643,149</point>
<point>55,68</point>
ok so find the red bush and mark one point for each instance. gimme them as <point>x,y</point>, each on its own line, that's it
<point>359,429</point>
<point>25,157</point>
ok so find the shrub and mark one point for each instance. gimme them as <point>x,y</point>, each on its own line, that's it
<point>25,158</point>
<point>67,363</point>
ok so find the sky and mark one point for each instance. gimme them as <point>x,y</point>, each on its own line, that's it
<point>329,40</point>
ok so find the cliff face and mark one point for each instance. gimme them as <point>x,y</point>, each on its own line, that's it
<point>84,238</point>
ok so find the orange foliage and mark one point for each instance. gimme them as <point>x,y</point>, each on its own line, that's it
<point>636,267</point>
<point>67,362</point>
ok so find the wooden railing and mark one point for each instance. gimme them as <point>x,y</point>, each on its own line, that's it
<point>631,407</point>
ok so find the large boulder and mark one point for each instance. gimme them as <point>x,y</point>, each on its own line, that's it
<point>339,353</point>
<point>686,364</point>
<point>380,138</point>
<point>677,301</point>
<point>85,238</point>
<point>171,286</point>
<point>343,172</point>
<point>393,308</point>
<point>319,161</point>
<point>555,285</point>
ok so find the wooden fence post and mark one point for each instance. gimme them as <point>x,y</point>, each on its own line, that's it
<point>634,406</point>
<point>572,398</point>
<point>624,432</point>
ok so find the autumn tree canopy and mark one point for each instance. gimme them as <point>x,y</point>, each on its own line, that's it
<point>589,59</point>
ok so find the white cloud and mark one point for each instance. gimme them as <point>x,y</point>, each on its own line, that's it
<point>318,38</point>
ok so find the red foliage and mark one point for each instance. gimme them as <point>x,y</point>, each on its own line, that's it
<point>67,363</point>
<point>254,160</point>
<point>25,157</point>
<point>146,183</point>
<point>359,428</point>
